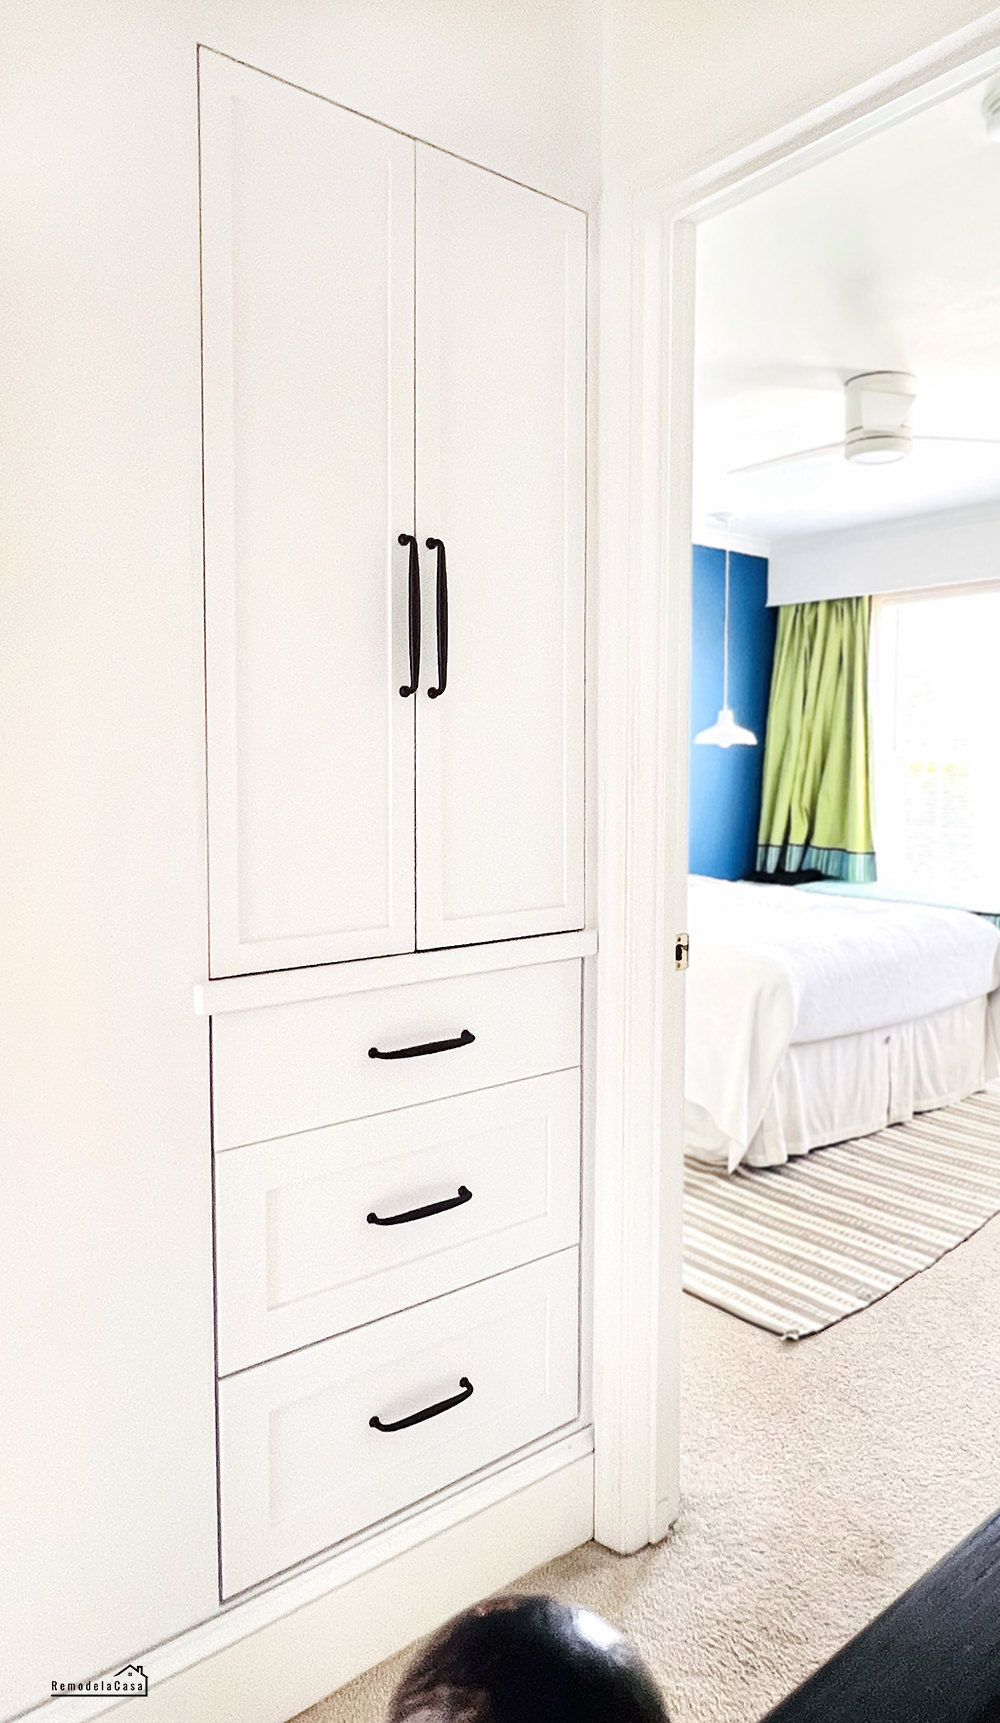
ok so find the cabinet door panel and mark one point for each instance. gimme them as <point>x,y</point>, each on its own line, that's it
<point>291,1068</point>
<point>298,1258</point>
<point>308,392</point>
<point>501,339</point>
<point>301,1465</point>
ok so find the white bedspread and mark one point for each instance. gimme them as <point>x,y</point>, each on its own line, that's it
<point>772,966</point>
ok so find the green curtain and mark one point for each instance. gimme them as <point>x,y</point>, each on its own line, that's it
<point>816,801</point>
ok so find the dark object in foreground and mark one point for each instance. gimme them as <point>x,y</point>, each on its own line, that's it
<point>932,1657</point>
<point>528,1660</point>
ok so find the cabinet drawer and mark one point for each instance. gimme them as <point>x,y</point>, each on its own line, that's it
<point>301,1465</point>
<point>298,1258</point>
<point>294,1067</point>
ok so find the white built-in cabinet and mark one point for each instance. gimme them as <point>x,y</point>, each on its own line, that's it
<point>394,362</point>
<point>394,348</point>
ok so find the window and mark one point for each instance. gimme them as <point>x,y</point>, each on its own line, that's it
<point>936,742</point>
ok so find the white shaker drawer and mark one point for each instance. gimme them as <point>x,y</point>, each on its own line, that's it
<point>464,1380</point>
<point>329,1229</point>
<point>288,1068</point>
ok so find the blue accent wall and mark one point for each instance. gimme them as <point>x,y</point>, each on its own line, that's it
<point>724,809</point>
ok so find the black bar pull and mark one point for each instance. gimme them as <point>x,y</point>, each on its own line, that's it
<point>428,1411</point>
<point>408,538</point>
<point>442,618</point>
<point>464,1196</point>
<point>464,1040</point>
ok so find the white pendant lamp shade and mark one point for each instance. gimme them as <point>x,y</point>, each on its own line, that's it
<point>725,732</point>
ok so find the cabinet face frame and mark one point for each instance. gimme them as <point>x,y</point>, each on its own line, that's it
<point>281,676</point>
<point>238,958</point>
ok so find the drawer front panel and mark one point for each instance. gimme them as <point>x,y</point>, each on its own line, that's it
<point>302,1467</point>
<point>298,1259</point>
<point>296,1067</point>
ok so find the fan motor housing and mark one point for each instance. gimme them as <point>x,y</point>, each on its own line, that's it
<point>877,412</point>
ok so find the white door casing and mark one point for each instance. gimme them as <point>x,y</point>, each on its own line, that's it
<point>307,258</point>
<point>647,349</point>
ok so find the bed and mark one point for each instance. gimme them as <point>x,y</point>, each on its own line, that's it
<point>814,1018</point>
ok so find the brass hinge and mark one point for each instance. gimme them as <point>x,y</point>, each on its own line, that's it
<point>681,951</point>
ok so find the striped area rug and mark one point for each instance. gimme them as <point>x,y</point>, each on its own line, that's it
<point>797,1247</point>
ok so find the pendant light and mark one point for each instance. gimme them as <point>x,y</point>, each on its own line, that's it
<point>725,731</point>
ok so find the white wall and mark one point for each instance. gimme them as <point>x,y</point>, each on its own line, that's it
<point>108,1521</point>
<point>952,548</point>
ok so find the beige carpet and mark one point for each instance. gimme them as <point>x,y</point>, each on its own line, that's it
<point>819,1481</point>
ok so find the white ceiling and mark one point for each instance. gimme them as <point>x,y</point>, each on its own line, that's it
<point>886,257</point>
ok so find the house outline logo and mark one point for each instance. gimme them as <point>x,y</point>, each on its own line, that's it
<point>128,1683</point>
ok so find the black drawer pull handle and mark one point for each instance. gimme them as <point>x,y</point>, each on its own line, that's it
<point>408,538</point>
<point>464,1196</point>
<point>464,1040</point>
<point>428,1411</point>
<point>442,618</point>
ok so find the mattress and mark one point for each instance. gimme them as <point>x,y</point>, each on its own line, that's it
<point>774,971</point>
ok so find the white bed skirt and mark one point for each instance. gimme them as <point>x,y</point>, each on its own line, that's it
<point>852,1085</point>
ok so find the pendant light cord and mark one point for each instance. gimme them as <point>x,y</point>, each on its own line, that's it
<point>725,638</point>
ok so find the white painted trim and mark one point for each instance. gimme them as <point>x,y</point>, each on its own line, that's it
<point>265,1659</point>
<point>955,547</point>
<point>713,536</point>
<point>643,678</point>
<point>956,62</point>
<point>330,980</point>
<point>914,595</point>
<point>646,366</point>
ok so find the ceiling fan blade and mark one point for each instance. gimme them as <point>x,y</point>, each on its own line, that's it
<point>786,460</point>
<point>989,442</point>
<point>832,448</point>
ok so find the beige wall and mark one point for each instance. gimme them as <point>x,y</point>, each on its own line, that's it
<point>689,81</point>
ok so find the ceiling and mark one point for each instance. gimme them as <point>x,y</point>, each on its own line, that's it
<point>886,257</point>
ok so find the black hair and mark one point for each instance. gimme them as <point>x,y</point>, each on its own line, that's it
<point>527,1660</point>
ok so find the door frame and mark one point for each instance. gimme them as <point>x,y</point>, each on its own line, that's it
<point>646,369</point>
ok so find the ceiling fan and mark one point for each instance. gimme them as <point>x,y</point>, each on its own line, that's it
<point>877,405</point>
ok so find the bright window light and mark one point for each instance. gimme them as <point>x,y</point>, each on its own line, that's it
<point>936,741</point>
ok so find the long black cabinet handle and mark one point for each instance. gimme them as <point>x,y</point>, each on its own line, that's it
<point>464,1040</point>
<point>442,618</point>
<point>464,1196</point>
<point>428,1411</point>
<point>408,538</point>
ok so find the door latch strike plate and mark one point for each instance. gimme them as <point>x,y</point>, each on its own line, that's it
<point>681,951</point>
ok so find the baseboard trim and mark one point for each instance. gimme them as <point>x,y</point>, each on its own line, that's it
<point>265,1660</point>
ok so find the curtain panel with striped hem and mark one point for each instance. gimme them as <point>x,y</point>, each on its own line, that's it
<point>816,799</point>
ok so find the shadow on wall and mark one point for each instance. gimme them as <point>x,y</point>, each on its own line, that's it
<point>724,806</point>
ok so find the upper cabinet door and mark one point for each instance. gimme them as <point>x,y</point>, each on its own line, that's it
<point>307,248</point>
<point>501,413</point>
